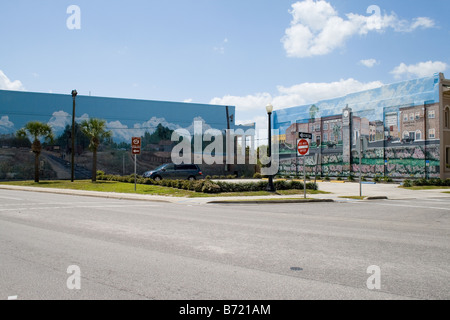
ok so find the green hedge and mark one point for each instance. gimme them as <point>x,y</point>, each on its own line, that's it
<point>431,182</point>
<point>207,186</point>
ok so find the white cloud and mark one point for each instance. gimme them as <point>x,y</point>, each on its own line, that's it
<point>221,48</point>
<point>317,29</point>
<point>422,69</point>
<point>252,107</point>
<point>369,63</point>
<point>82,118</point>
<point>59,120</point>
<point>250,102</point>
<point>296,95</point>
<point>6,126</point>
<point>6,84</point>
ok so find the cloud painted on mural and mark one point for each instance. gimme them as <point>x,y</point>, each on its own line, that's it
<point>59,121</point>
<point>121,132</point>
<point>6,126</point>
<point>318,29</point>
<point>372,103</point>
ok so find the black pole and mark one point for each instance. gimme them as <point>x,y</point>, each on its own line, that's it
<point>270,186</point>
<point>74,94</point>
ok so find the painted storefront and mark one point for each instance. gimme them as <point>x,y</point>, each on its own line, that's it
<point>405,126</point>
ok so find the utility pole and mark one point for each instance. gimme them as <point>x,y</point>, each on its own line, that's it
<point>74,95</point>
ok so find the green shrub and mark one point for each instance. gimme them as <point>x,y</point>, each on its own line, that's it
<point>208,178</point>
<point>327,178</point>
<point>351,178</point>
<point>100,173</point>
<point>209,187</point>
<point>387,179</point>
<point>407,183</point>
<point>257,176</point>
<point>377,179</point>
<point>339,179</point>
<point>216,177</point>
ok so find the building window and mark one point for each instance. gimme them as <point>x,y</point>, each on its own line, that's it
<point>447,117</point>
<point>405,135</point>
<point>447,157</point>
<point>325,137</point>
<point>325,126</point>
<point>411,117</point>
<point>405,118</point>
<point>431,114</point>
<point>418,135</point>
<point>432,134</point>
<point>417,116</point>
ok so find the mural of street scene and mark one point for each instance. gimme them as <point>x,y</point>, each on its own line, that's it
<point>399,123</point>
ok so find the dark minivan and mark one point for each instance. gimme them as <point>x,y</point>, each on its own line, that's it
<point>175,172</point>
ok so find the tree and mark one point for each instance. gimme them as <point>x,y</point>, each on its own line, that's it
<point>313,112</point>
<point>337,132</point>
<point>37,130</point>
<point>95,130</point>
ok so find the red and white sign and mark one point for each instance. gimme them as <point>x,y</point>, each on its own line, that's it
<point>303,147</point>
<point>136,145</point>
<point>136,142</point>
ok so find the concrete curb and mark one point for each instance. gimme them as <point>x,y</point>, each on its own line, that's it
<point>377,198</point>
<point>269,201</point>
<point>94,194</point>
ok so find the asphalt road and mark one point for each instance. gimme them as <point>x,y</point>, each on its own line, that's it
<point>144,250</point>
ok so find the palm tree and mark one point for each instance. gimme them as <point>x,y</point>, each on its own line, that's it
<point>37,130</point>
<point>95,130</point>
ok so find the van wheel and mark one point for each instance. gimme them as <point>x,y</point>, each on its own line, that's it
<point>191,178</point>
<point>158,178</point>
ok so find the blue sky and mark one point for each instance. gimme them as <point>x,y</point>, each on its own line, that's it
<point>242,53</point>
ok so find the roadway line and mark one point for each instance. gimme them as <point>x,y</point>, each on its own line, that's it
<point>78,207</point>
<point>10,198</point>
<point>401,205</point>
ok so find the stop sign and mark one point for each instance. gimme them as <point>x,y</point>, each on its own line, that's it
<point>303,147</point>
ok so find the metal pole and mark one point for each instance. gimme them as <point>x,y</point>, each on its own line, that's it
<point>360,164</point>
<point>135,179</point>
<point>270,186</point>
<point>304,175</point>
<point>73,138</point>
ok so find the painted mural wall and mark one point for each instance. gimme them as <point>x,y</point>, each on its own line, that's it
<point>400,123</point>
<point>154,121</point>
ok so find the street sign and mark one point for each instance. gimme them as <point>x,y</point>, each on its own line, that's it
<point>303,147</point>
<point>304,135</point>
<point>136,151</point>
<point>136,142</point>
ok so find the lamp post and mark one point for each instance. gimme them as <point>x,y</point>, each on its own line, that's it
<point>74,95</point>
<point>269,109</point>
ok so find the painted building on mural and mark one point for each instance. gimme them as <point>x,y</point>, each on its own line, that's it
<point>154,121</point>
<point>406,125</point>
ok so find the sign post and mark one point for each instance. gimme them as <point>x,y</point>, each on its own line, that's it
<point>135,149</point>
<point>303,150</point>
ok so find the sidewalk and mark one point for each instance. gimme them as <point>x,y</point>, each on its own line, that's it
<point>338,190</point>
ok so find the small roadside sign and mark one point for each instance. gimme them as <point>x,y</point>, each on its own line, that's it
<point>136,151</point>
<point>136,142</point>
<point>305,135</point>
<point>303,147</point>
